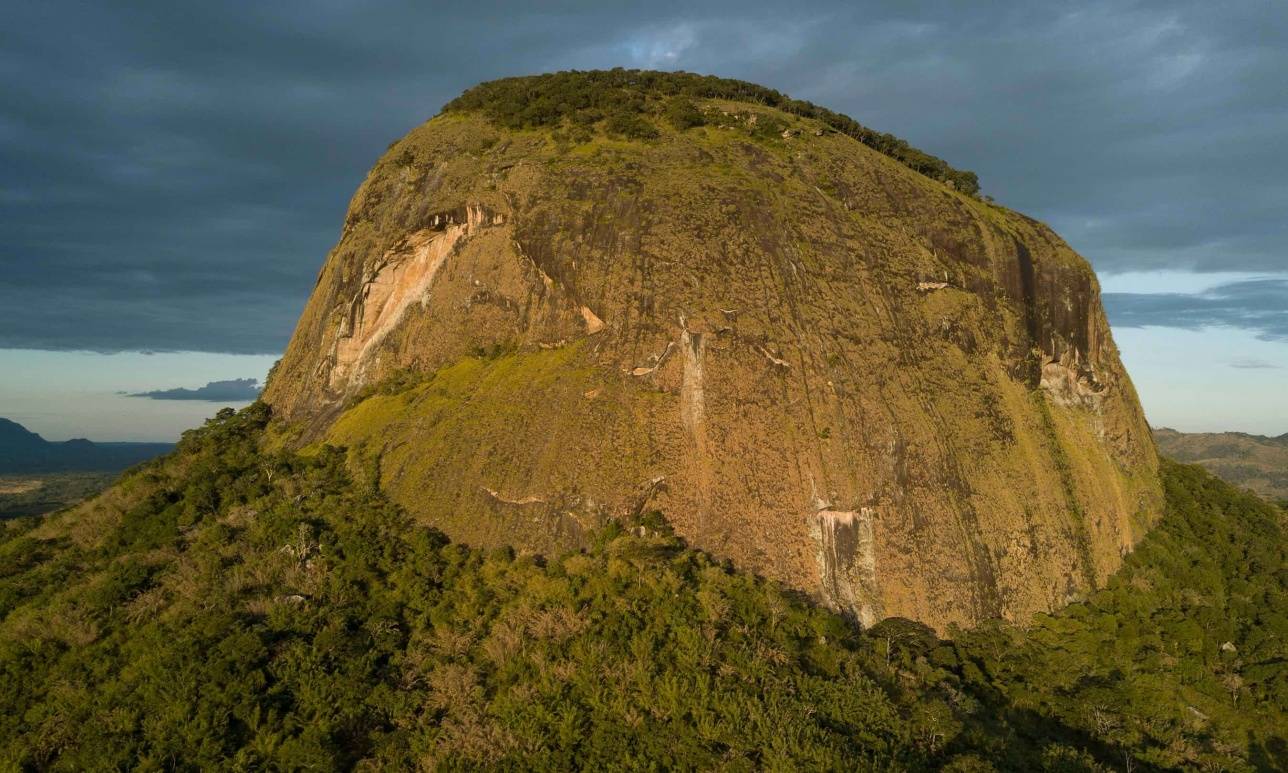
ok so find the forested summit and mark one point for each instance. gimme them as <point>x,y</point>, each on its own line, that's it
<point>624,97</point>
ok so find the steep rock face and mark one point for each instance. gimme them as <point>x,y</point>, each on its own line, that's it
<point>814,360</point>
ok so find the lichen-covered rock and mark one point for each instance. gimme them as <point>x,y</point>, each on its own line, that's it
<point>816,361</point>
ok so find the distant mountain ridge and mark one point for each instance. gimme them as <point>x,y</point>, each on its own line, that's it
<point>232,390</point>
<point>22,450</point>
<point>1254,462</point>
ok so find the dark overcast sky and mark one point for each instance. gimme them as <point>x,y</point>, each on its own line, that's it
<point>172,174</point>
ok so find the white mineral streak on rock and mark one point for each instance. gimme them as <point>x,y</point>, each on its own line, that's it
<point>657,361</point>
<point>779,362</point>
<point>530,500</point>
<point>402,277</point>
<point>693,410</point>
<point>593,323</point>
<point>692,397</point>
<point>847,562</point>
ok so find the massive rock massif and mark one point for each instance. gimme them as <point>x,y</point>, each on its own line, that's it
<point>813,358</point>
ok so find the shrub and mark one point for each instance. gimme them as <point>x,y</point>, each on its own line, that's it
<point>681,113</point>
<point>630,125</point>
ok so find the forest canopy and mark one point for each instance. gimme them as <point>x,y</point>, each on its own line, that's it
<point>625,98</point>
<point>232,607</point>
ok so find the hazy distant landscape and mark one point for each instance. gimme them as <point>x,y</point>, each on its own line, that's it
<point>1253,462</point>
<point>37,476</point>
<point>23,451</point>
<point>41,493</point>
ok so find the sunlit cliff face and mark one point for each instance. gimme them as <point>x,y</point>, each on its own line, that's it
<point>813,360</point>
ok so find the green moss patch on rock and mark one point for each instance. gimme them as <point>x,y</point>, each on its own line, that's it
<point>502,450</point>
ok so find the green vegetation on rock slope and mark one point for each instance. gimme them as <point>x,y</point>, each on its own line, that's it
<point>227,607</point>
<point>626,101</point>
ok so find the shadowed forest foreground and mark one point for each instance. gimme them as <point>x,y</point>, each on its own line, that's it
<point>227,607</point>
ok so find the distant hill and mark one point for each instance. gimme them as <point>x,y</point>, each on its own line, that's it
<point>1251,461</point>
<point>22,450</point>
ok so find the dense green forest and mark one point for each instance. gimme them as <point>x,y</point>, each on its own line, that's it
<point>626,102</point>
<point>228,607</point>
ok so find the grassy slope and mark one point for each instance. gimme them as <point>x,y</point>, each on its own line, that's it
<point>433,440</point>
<point>225,607</point>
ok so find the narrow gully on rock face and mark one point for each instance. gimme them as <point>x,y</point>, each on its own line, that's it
<point>692,398</point>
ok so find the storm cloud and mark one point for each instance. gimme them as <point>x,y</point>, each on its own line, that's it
<point>1259,305</point>
<point>172,174</point>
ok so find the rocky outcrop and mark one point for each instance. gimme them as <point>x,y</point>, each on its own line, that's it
<point>747,320</point>
<point>401,277</point>
<point>847,564</point>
